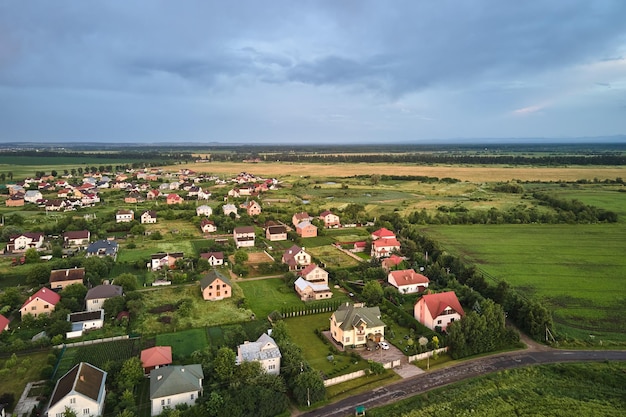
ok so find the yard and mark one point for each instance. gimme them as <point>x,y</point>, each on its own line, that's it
<point>333,257</point>
<point>183,343</point>
<point>14,375</point>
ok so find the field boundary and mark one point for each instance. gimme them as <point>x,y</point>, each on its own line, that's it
<point>92,342</point>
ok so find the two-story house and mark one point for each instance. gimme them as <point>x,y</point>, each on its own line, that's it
<point>312,284</point>
<point>264,350</point>
<point>296,258</point>
<point>244,236</point>
<point>330,219</point>
<point>215,286</point>
<point>81,389</point>
<point>276,233</point>
<point>306,229</point>
<point>438,310</point>
<point>174,385</point>
<point>148,217</point>
<point>354,325</point>
<point>42,302</point>
<point>407,281</point>
<point>124,216</point>
<point>61,278</point>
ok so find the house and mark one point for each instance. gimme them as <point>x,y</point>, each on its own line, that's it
<point>161,260</point>
<point>61,278</point>
<point>276,233</point>
<point>207,226</point>
<point>215,286</point>
<point>96,296</point>
<point>438,310</point>
<point>148,216</point>
<point>16,200</point>
<point>330,219</point>
<point>204,210</point>
<point>244,236</point>
<point>4,323</point>
<point>229,208</point>
<point>383,233</point>
<point>306,229</point>
<point>296,258</point>
<point>407,281</point>
<point>55,205</point>
<point>102,248</point>
<point>354,325</point>
<point>214,258</point>
<point>174,199</point>
<point>81,389</point>
<point>133,197</point>
<point>203,195</point>
<point>312,284</point>
<point>153,194</point>
<point>24,241</point>
<point>382,248</point>
<point>155,358</point>
<point>76,238</point>
<point>89,199</point>
<point>300,217</point>
<point>264,350</point>
<point>358,247</point>
<point>84,320</point>
<point>174,385</point>
<point>252,207</point>
<point>393,261</point>
<point>42,302</point>
<point>31,196</point>
<point>124,216</point>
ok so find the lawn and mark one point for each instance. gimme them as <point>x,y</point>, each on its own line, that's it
<point>198,313</point>
<point>578,271</point>
<point>315,351</point>
<point>13,378</point>
<point>145,247</point>
<point>183,343</point>
<point>333,257</point>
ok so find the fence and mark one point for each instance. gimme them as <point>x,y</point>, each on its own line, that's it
<point>313,309</point>
<point>92,342</point>
<point>425,355</point>
<point>357,374</point>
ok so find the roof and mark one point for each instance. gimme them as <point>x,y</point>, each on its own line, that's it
<point>393,260</point>
<point>302,215</point>
<point>172,380</point>
<point>4,322</point>
<point>326,213</point>
<point>151,213</point>
<point>107,246</point>
<point>348,316</point>
<point>104,291</point>
<point>291,253</point>
<point>86,316</point>
<point>216,255</point>
<point>382,243</point>
<point>302,283</point>
<point>264,348</point>
<point>156,356</point>
<point>124,212</point>
<point>212,276</point>
<point>304,224</point>
<point>437,303</point>
<point>309,268</point>
<point>383,233</point>
<point>276,229</point>
<point>71,274</point>
<point>244,229</point>
<point>30,235</point>
<point>167,255</point>
<point>45,294</point>
<point>78,234</point>
<point>84,379</point>
<point>408,277</point>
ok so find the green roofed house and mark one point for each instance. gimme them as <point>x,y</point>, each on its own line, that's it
<point>215,286</point>
<point>355,325</point>
<point>173,385</point>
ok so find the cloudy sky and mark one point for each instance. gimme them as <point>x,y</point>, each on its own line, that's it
<point>311,72</point>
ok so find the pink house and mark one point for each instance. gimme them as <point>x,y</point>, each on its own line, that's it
<point>4,323</point>
<point>306,229</point>
<point>330,219</point>
<point>383,248</point>
<point>438,310</point>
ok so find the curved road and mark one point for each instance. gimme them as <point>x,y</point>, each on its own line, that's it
<point>534,355</point>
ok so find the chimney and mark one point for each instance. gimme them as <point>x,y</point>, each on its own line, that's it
<point>82,378</point>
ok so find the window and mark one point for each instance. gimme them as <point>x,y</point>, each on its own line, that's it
<point>85,411</point>
<point>169,401</point>
<point>193,396</point>
<point>72,400</point>
<point>33,308</point>
<point>438,321</point>
<point>46,306</point>
<point>162,402</point>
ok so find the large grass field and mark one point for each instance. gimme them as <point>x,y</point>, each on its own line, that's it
<point>590,389</point>
<point>578,271</point>
<point>183,343</point>
<point>14,377</point>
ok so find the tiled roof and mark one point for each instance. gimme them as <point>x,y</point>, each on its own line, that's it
<point>156,356</point>
<point>84,379</point>
<point>437,303</point>
<point>348,316</point>
<point>45,294</point>
<point>104,291</point>
<point>71,274</point>
<point>408,277</point>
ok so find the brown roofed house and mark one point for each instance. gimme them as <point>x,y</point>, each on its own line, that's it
<point>61,278</point>
<point>81,389</point>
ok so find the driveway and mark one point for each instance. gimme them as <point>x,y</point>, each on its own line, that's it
<point>380,355</point>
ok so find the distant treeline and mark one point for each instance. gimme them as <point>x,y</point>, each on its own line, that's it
<point>419,178</point>
<point>126,155</point>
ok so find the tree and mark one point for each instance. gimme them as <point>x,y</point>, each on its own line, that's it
<point>372,293</point>
<point>32,256</point>
<point>308,388</point>
<point>224,364</point>
<point>127,281</point>
<point>241,256</point>
<point>38,275</point>
<point>113,306</point>
<point>131,374</point>
<point>69,412</point>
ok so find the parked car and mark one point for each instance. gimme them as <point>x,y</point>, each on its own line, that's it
<point>384,345</point>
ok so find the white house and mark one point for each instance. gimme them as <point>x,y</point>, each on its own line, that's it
<point>124,216</point>
<point>148,216</point>
<point>25,241</point>
<point>264,350</point>
<point>438,310</point>
<point>407,281</point>
<point>32,196</point>
<point>296,258</point>
<point>173,385</point>
<point>244,236</point>
<point>204,210</point>
<point>84,320</point>
<point>97,295</point>
<point>214,258</point>
<point>81,389</point>
<point>207,226</point>
<point>229,208</point>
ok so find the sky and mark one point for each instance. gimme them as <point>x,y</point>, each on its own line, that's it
<point>309,72</point>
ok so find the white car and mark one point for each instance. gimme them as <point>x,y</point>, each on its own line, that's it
<point>384,345</point>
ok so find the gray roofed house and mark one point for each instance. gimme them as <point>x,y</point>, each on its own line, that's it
<point>173,385</point>
<point>264,350</point>
<point>97,295</point>
<point>103,248</point>
<point>215,286</point>
<point>81,389</point>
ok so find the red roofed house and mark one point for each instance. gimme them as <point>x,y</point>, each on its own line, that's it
<point>42,302</point>
<point>438,310</point>
<point>208,226</point>
<point>330,219</point>
<point>407,281</point>
<point>383,233</point>
<point>382,248</point>
<point>391,262</point>
<point>4,323</point>
<point>156,357</point>
<point>174,199</point>
<point>76,238</point>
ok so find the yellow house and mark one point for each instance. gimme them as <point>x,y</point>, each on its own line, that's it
<point>42,302</point>
<point>215,286</point>
<point>61,278</point>
<point>355,325</point>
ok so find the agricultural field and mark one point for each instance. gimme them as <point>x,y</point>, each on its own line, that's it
<point>595,389</point>
<point>98,354</point>
<point>332,257</point>
<point>576,270</point>
<point>182,307</point>
<point>184,342</point>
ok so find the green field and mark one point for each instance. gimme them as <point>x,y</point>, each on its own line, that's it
<point>333,257</point>
<point>578,271</point>
<point>14,376</point>
<point>98,354</point>
<point>146,247</point>
<point>590,389</point>
<point>183,343</point>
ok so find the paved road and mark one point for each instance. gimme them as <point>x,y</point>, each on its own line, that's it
<point>470,369</point>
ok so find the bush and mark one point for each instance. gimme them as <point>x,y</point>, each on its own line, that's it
<point>46,372</point>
